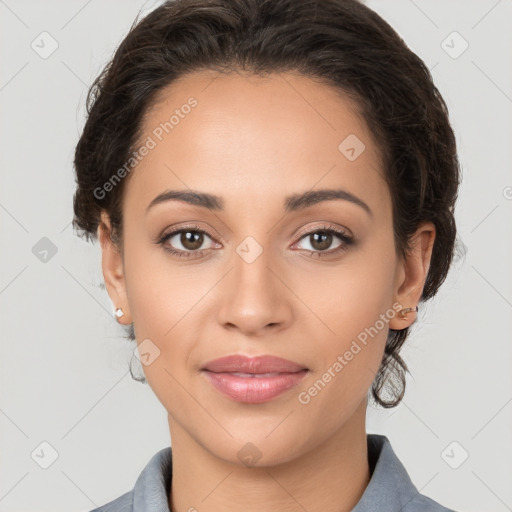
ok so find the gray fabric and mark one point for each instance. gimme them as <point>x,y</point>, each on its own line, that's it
<point>390,488</point>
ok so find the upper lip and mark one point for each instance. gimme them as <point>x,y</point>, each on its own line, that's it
<point>259,364</point>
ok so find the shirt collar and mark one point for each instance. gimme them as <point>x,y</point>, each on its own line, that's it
<point>390,487</point>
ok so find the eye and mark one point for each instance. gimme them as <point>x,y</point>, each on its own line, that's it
<point>190,238</point>
<point>322,238</point>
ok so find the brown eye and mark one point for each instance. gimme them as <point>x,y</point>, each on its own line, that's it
<point>185,240</point>
<point>191,240</point>
<point>321,240</point>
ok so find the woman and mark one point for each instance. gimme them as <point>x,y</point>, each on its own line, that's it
<point>273,185</point>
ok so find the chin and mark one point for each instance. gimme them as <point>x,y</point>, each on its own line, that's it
<point>255,447</point>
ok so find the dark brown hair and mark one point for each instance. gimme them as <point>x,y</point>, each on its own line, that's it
<point>341,42</point>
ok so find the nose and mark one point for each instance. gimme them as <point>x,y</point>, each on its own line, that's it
<point>254,299</point>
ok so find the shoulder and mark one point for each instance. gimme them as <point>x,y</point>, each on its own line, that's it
<point>391,487</point>
<point>150,489</point>
<point>122,504</point>
<point>422,503</point>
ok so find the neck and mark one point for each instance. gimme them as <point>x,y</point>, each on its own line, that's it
<point>331,477</point>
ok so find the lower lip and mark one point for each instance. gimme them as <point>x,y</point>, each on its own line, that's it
<point>254,390</point>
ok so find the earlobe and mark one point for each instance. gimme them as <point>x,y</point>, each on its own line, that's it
<point>113,270</point>
<point>413,275</point>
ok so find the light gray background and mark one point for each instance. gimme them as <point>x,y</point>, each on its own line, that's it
<point>64,363</point>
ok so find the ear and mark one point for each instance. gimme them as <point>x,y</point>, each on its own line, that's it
<point>412,274</point>
<point>113,269</point>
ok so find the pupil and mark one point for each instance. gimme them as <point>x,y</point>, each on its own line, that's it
<point>191,239</point>
<point>324,243</point>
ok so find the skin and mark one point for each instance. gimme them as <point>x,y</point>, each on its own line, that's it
<point>253,141</point>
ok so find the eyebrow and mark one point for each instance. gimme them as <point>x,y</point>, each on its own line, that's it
<point>293,203</point>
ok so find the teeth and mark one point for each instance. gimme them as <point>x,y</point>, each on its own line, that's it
<point>256,375</point>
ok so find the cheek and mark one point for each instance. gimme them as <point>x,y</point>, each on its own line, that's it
<point>159,302</point>
<point>161,296</point>
<point>356,293</point>
<point>346,364</point>
<point>357,308</point>
<point>158,292</point>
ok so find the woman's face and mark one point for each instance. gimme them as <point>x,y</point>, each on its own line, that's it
<point>256,271</point>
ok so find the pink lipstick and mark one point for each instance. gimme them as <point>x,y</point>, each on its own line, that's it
<point>253,379</point>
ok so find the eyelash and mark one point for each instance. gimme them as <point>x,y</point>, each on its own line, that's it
<point>346,239</point>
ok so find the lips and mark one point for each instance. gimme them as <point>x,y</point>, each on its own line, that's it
<point>253,379</point>
<point>253,365</point>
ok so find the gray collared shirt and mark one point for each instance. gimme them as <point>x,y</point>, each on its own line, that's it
<point>390,488</point>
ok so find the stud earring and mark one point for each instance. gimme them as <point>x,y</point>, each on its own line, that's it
<point>403,312</point>
<point>119,313</point>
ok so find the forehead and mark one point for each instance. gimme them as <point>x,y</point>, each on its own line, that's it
<point>253,138</point>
